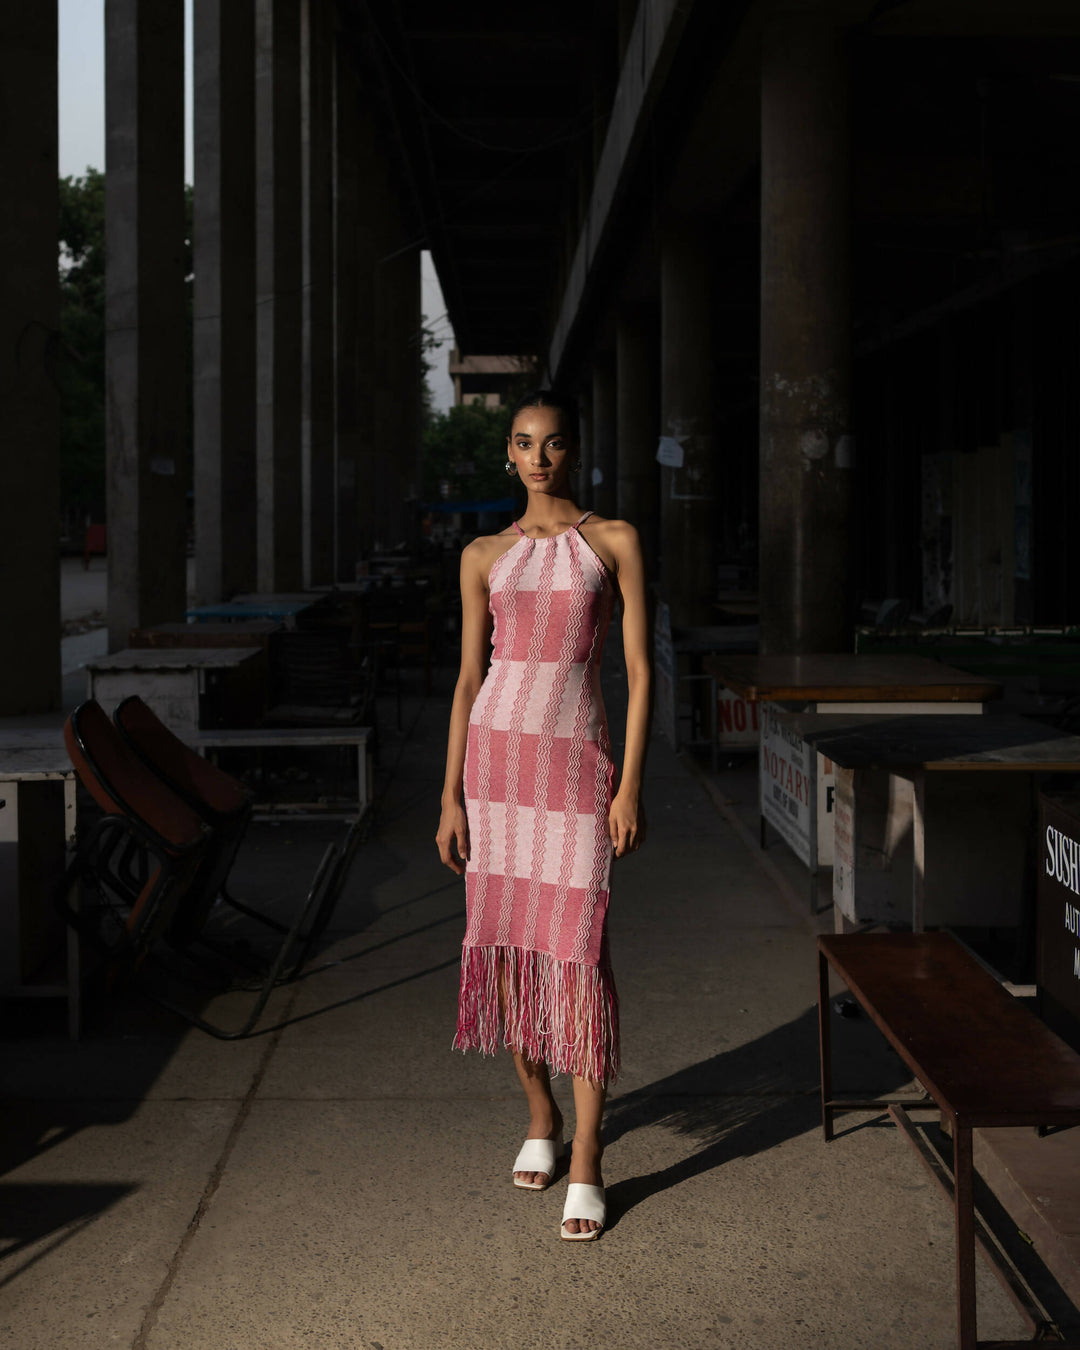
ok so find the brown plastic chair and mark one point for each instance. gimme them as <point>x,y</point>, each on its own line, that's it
<point>221,802</point>
<point>149,859</point>
<point>225,807</point>
<point>140,857</point>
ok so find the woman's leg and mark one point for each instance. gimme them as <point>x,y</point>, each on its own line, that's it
<point>589,1100</point>
<point>545,1118</point>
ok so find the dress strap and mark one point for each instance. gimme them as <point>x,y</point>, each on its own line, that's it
<point>519,529</point>
<point>578,523</point>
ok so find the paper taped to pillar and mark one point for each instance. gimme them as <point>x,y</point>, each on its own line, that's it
<point>1059,914</point>
<point>597,477</point>
<point>670,453</point>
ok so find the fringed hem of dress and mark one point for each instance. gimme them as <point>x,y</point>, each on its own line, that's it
<point>564,1014</point>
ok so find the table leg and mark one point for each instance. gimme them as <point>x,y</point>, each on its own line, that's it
<point>964,1200</point>
<point>825,1046</point>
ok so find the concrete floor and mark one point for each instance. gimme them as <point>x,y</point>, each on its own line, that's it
<point>343,1179</point>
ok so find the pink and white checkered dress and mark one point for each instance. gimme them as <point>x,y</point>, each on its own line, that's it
<point>538,785</point>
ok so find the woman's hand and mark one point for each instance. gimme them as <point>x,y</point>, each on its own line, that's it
<point>453,831</point>
<point>626,823</point>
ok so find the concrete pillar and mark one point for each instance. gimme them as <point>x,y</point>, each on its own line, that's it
<point>397,410</point>
<point>636,422</point>
<point>29,319</point>
<point>582,480</point>
<point>351,264</point>
<point>603,435</point>
<point>224,301</point>
<point>688,504</point>
<point>317,425</point>
<point>806,451</point>
<point>279,310</point>
<point>145,314</point>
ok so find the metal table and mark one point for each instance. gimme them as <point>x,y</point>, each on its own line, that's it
<point>174,681</point>
<point>37,838</point>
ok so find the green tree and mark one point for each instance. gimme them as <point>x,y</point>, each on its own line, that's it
<point>466,447</point>
<point>82,329</point>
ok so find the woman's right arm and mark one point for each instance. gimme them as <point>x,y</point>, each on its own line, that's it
<point>475,650</point>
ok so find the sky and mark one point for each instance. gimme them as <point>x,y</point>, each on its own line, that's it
<point>82,145</point>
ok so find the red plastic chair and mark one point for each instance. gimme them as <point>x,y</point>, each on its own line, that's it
<point>93,543</point>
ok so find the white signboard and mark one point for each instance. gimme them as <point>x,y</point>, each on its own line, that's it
<point>789,798</point>
<point>826,797</point>
<point>737,721</point>
<point>665,676</point>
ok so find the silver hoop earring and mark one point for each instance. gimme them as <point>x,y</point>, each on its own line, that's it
<point>511,469</point>
<point>575,466</point>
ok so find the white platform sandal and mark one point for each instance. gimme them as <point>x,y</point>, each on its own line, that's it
<point>583,1202</point>
<point>538,1155</point>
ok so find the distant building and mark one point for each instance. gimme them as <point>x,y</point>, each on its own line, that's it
<point>487,378</point>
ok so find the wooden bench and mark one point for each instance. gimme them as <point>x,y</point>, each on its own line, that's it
<point>984,1060</point>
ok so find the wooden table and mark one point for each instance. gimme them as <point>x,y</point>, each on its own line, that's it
<point>37,836</point>
<point>950,798</point>
<point>175,682</point>
<point>985,1061</point>
<point>843,678</point>
<point>796,785</point>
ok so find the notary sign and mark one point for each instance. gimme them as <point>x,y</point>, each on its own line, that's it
<point>737,722</point>
<point>789,785</point>
<point>1059,914</point>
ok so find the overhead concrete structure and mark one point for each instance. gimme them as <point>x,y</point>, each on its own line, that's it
<point>756,234</point>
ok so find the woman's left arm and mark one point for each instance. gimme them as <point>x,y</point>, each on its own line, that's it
<point>626,818</point>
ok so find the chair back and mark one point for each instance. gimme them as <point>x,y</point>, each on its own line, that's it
<point>121,783</point>
<point>214,795</point>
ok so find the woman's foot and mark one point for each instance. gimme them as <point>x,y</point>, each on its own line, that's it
<point>585,1169</point>
<point>546,1126</point>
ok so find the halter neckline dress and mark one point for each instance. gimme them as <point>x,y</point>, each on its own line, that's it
<point>539,779</point>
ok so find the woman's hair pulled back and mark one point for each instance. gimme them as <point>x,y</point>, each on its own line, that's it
<point>559,399</point>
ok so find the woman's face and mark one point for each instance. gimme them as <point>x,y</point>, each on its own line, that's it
<point>540,449</point>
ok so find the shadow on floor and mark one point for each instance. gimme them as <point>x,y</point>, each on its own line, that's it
<point>746,1100</point>
<point>33,1212</point>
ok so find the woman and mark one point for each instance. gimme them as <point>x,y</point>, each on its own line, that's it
<point>529,811</point>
